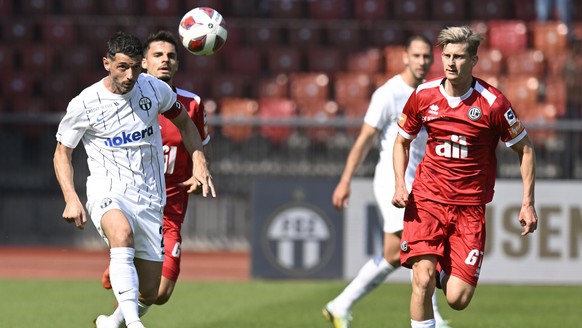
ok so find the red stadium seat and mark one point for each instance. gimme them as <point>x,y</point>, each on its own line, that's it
<point>286,9</point>
<point>201,64</point>
<point>227,85</point>
<point>371,9</point>
<point>163,8</point>
<point>550,37</point>
<point>243,60</point>
<point>508,36</point>
<point>58,85</point>
<point>557,64</point>
<point>521,91</point>
<point>308,33</point>
<point>30,105</point>
<point>197,83</point>
<point>527,62</point>
<point>328,9</point>
<point>393,56</point>
<point>542,113</point>
<point>122,8</point>
<point>369,61</point>
<point>269,33</point>
<point>351,86</point>
<point>37,57</point>
<point>488,9</point>
<point>346,34</point>
<point>6,8</point>
<point>35,7</point>
<point>76,58</point>
<point>380,78</point>
<point>96,33</point>
<point>17,31</point>
<point>491,62</point>
<point>524,10</point>
<point>308,87</point>
<point>276,108</point>
<point>232,108</point>
<point>76,7</point>
<point>284,59</point>
<point>319,111</point>
<point>325,59</point>
<point>410,9</point>
<point>273,87</point>
<point>58,31</point>
<point>481,27</point>
<point>429,29</point>
<point>555,93</point>
<point>449,10</point>
<point>356,110</point>
<point>387,33</point>
<point>18,84</point>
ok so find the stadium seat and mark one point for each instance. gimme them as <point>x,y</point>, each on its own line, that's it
<point>328,9</point>
<point>351,86</point>
<point>284,59</point>
<point>308,87</point>
<point>369,61</point>
<point>524,10</point>
<point>232,108</point>
<point>355,110</point>
<point>410,9</point>
<point>429,29</point>
<point>96,33</point>
<point>325,59</point>
<point>379,79</point>
<point>36,57</point>
<point>521,91</point>
<point>264,33</point>
<point>276,86</point>
<point>509,36</point>
<point>542,113</point>
<point>17,31</point>
<point>76,7</point>
<point>6,8</point>
<point>488,9</point>
<point>481,27</point>
<point>448,10</point>
<point>319,112</point>
<point>491,62</point>
<point>371,9</point>
<point>201,64</point>
<point>491,79</point>
<point>30,105</point>
<point>36,7</point>
<point>58,31</point>
<point>227,85</point>
<point>557,63</point>
<point>197,83</point>
<point>386,33</point>
<point>76,58</point>
<point>58,85</point>
<point>346,34</point>
<point>243,60</point>
<point>527,62</point>
<point>18,84</point>
<point>166,8</point>
<point>393,57</point>
<point>555,93</point>
<point>286,8</point>
<point>549,37</point>
<point>7,56</point>
<point>307,34</point>
<point>122,8</point>
<point>276,108</point>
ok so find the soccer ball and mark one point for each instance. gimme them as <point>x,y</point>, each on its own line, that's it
<point>202,31</point>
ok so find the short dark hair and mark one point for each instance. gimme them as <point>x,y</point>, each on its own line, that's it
<point>124,43</point>
<point>417,37</point>
<point>162,35</point>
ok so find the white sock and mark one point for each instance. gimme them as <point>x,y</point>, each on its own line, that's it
<point>372,274</point>
<point>136,324</point>
<point>124,282</point>
<point>422,324</point>
<point>435,308</point>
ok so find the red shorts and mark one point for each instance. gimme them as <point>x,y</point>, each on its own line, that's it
<point>454,233</point>
<point>172,247</point>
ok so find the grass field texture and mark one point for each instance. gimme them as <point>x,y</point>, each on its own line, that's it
<point>281,304</point>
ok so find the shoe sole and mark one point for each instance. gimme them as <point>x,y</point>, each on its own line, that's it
<point>328,316</point>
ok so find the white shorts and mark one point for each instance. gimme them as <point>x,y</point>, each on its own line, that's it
<point>146,222</point>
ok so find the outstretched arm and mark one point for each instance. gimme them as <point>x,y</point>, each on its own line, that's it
<point>74,210</point>
<point>528,217</point>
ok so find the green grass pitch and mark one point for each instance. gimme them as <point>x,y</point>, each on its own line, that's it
<point>282,304</point>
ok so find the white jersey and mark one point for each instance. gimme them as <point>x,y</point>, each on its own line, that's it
<point>122,139</point>
<point>383,114</point>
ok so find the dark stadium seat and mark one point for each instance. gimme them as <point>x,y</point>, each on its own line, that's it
<point>35,7</point>
<point>490,9</point>
<point>201,64</point>
<point>284,59</point>
<point>122,8</point>
<point>351,86</point>
<point>276,108</point>
<point>527,62</point>
<point>449,10</point>
<point>273,86</point>
<point>524,10</point>
<point>308,87</point>
<point>30,105</point>
<point>227,85</point>
<point>80,57</point>
<point>233,108</point>
<point>308,33</point>
<point>58,85</point>
<point>36,57</point>
<point>393,59</point>
<point>386,33</point>
<point>369,61</point>
<point>18,84</point>
<point>285,8</point>
<point>17,31</point>
<point>96,33</point>
<point>319,111</point>
<point>491,62</point>
<point>549,37</point>
<point>328,9</point>
<point>164,8</point>
<point>197,83</point>
<point>7,56</point>
<point>76,7</point>
<point>243,60</point>
<point>58,31</point>
<point>371,9</point>
<point>264,33</point>
<point>325,59</point>
<point>509,36</point>
<point>346,34</point>
<point>6,8</point>
<point>410,9</point>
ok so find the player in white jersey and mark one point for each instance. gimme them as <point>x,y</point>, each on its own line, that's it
<point>380,122</point>
<point>117,121</point>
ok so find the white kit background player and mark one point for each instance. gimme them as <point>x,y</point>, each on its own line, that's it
<point>117,120</point>
<point>380,122</point>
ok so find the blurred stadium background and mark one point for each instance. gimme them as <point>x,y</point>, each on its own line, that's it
<point>285,96</point>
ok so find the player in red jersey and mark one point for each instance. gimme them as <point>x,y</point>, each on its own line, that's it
<point>444,220</point>
<point>161,60</point>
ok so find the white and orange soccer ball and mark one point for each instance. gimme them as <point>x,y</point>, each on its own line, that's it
<point>202,31</point>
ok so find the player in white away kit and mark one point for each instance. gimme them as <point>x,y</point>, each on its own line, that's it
<point>117,120</point>
<point>380,122</point>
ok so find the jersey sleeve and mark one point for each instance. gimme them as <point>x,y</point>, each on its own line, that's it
<point>506,120</point>
<point>167,98</point>
<point>73,125</point>
<point>410,121</point>
<point>376,113</point>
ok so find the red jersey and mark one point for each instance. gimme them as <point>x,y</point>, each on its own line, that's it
<point>177,160</point>
<point>460,164</point>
